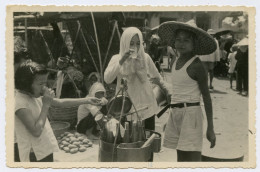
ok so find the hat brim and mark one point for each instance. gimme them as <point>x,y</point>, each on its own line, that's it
<point>206,44</point>
<point>243,42</point>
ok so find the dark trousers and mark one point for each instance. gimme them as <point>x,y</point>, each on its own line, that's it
<point>32,157</point>
<point>242,79</point>
<point>149,124</point>
<point>86,123</point>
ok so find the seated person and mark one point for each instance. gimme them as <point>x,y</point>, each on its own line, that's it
<point>86,113</point>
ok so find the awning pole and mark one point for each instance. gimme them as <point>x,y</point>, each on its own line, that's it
<point>26,33</point>
<point>99,55</point>
<point>86,43</point>
<point>110,42</point>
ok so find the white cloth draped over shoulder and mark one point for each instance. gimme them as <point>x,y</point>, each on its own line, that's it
<point>137,72</point>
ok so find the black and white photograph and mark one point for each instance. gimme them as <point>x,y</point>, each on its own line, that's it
<point>152,86</point>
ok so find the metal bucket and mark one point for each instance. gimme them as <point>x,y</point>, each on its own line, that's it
<point>156,145</point>
<point>131,152</point>
<point>106,152</point>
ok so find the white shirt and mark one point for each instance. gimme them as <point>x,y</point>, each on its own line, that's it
<point>185,89</point>
<point>140,93</point>
<point>232,62</point>
<point>43,145</point>
<point>85,109</point>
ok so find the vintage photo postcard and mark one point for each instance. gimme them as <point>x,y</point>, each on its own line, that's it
<point>130,87</point>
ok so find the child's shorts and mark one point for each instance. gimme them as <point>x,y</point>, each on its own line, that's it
<point>184,130</point>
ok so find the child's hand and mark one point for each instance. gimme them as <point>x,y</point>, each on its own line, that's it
<point>94,101</point>
<point>211,137</point>
<point>48,95</point>
<point>103,101</point>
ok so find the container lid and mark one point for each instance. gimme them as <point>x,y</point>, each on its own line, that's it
<point>117,103</point>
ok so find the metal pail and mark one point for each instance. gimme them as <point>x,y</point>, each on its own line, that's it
<point>131,152</point>
<point>106,152</point>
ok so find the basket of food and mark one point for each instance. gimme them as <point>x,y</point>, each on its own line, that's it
<point>64,114</point>
<point>59,127</point>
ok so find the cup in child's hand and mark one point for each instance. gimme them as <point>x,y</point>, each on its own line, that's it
<point>131,51</point>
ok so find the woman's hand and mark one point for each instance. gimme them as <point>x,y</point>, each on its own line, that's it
<point>48,95</point>
<point>94,101</point>
<point>125,57</point>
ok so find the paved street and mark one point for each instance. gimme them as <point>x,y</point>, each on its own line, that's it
<point>230,112</point>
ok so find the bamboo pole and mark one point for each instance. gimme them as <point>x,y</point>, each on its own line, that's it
<point>76,38</point>
<point>119,35</point>
<point>99,55</point>
<point>86,43</point>
<point>47,46</point>
<point>26,32</point>
<point>109,44</point>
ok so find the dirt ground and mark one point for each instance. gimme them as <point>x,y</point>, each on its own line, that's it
<point>230,112</point>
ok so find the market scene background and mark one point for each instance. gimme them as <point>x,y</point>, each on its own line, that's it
<point>88,41</point>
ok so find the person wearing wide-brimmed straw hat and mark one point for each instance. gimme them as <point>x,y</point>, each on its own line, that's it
<point>242,66</point>
<point>184,130</point>
<point>209,61</point>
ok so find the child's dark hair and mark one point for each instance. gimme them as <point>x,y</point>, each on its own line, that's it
<point>18,56</point>
<point>25,75</point>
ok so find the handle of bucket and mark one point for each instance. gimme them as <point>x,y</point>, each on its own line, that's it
<point>154,132</point>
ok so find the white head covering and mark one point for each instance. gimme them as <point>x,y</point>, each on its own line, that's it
<point>96,74</point>
<point>131,66</point>
<point>96,87</point>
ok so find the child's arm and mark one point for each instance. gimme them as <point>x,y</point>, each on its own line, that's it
<point>75,102</point>
<point>35,127</point>
<point>200,76</point>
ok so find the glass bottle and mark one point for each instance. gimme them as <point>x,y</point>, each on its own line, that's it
<point>134,133</point>
<point>126,138</point>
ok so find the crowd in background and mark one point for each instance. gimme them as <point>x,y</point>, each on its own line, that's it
<point>230,60</point>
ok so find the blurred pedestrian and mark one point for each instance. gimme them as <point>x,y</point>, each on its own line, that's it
<point>242,66</point>
<point>209,61</point>
<point>232,63</point>
<point>155,51</point>
<point>223,63</point>
<point>172,55</point>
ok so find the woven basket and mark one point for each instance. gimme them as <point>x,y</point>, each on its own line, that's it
<point>59,127</point>
<point>65,114</point>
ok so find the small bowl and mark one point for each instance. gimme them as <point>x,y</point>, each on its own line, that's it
<point>59,127</point>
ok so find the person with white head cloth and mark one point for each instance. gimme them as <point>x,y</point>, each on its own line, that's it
<point>86,112</point>
<point>137,67</point>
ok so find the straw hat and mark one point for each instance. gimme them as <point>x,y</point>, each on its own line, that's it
<point>205,44</point>
<point>243,42</point>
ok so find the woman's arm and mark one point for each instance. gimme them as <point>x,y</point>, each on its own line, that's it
<point>112,69</point>
<point>156,78</point>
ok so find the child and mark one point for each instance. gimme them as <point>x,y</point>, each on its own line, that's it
<point>87,112</point>
<point>232,63</point>
<point>184,130</point>
<point>35,140</point>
